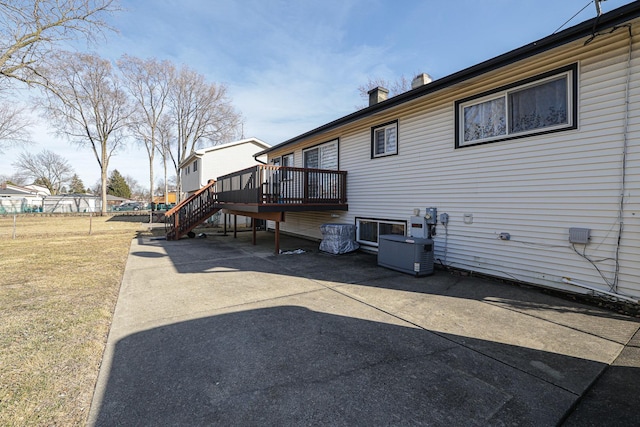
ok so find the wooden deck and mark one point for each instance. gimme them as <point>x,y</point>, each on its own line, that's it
<point>266,188</point>
<point>261,192</point>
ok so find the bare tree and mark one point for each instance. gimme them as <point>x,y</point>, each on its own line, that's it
<point>138,192</point>
<point>15,179</point>
<point>14,125</point>
<point>396,87</point>
<point>201,112</point>
<point>164,187</point>
<point>89,107</point>
<point>166,140</point>
<point>46,168</point>
<point>31,30</point>
<point>148,83</point>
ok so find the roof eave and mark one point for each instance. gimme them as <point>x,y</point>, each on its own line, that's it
<point>584,29</point>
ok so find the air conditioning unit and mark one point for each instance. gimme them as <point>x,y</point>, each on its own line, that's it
<point>411,255</point>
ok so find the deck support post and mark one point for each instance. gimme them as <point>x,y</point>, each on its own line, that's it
<point>235,226</point>
<point>276,217</point>
<point>253,229</point>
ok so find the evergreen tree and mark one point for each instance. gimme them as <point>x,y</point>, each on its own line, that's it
<point>77,186</point>
<point>117,185</point>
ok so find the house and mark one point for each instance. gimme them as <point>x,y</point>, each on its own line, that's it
<point>169,199</point>
<point>209,163</point>
<point>65,203</point>
<point>531,158</point>
<point>18,199</point>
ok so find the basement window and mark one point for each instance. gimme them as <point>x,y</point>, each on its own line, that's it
<point>536,106</point>
<point>368,230</point>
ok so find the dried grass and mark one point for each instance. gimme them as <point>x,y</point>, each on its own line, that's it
<point>58,289</point>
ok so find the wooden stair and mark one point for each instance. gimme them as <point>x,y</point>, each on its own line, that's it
<point>191,212</point>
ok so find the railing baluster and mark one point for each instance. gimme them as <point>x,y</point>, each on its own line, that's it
<point>282,184</point>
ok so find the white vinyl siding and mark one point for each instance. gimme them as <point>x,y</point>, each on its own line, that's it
<point>535,187</point>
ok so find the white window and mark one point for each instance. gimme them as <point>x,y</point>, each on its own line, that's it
<point>195,166</point>
<point>368,230</point>
<point>543,104</point>
<point>323,156</point>
<point>384,140</point>
<point>287,160</point>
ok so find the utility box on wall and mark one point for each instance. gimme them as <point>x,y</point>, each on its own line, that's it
<point>579,235</point>
<point>419,227</point>
<point>411,255</point>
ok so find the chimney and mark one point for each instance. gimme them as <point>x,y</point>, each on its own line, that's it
<point>377,94</point>
<point>421,80</point>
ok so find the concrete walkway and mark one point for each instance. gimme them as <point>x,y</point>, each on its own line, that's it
<point>215,331</point>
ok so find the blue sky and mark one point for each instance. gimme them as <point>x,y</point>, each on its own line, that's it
<point>291,66</point>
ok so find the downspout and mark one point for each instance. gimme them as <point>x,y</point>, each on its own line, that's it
<point>570,281</point>
<point>613,287</point>
<point>623,164</point>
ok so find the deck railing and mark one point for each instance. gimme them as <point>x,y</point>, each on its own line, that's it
<point>266,184</point>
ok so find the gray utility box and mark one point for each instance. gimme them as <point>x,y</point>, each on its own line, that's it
<point>412,255</point>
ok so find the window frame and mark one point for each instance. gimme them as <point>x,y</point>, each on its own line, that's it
<point>384,126</point>
<point>289,155</point>
<point>318,147</point>
<point>279,161</point>
<point>379,221</point>
<point>503,92</point>
<point>195,165</point>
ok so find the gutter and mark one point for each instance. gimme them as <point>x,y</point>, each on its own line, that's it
<point>584,29</point>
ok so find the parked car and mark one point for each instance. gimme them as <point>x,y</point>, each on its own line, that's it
<point>163,206</point>
<point>130,206</point>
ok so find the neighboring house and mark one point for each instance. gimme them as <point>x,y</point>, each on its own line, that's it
<point>209,163</point>
<point>529,154</point>
<point>17,199</point>
<point>169,199</point>
<point>65,203</point>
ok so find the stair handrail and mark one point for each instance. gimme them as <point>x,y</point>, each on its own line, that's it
<point>171,219</point>
<point>177,207</point>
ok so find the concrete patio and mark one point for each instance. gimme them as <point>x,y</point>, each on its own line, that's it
<point>215,331</point>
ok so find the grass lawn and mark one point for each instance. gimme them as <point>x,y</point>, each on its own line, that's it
<point>58,289</point>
